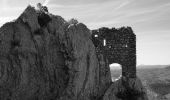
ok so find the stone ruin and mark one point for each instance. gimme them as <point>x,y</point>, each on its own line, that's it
<point>118,46</point>
<point>44,57</point>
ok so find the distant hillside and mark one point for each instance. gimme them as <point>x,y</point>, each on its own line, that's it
<point>160,88</point>
<point>155,78</point>
<point>157,81</point>
<point>168,67</point>
<point>152,66</point>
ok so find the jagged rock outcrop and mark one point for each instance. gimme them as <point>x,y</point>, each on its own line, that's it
<point>44,57</point>
<point>126,89</point>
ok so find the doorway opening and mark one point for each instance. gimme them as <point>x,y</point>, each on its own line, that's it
<point>116,71</point>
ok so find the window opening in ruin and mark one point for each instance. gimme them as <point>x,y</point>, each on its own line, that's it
<point>125,45</point>
<point>116,71</point>
<point>95,35</point>
<point>104,42</point>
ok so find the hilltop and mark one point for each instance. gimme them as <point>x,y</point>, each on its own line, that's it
<point>44,57</point>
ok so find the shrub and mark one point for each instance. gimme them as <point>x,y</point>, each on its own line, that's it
<point>73,21</point>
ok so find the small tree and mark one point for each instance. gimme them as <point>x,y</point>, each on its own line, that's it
<point>73,21</point>
<point>39,6</point>
<point>42,8</point>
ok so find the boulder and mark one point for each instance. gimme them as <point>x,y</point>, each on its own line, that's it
<point>126,89</point>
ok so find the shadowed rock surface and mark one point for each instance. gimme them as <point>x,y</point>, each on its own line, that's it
<point>126,89</point>
<point>43,57</point>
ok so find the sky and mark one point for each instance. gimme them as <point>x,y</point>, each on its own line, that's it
<point>150,20</point>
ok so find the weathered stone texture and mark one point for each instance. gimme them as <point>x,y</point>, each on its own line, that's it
<point>44,57</point>
<point>119,46</point>
<point>126,89</point>
<point>52,61</point>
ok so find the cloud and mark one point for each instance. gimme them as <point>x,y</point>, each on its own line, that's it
<point>149,20</point>
<point>122,5</point>
<point>46,2</point>
<point>78,2</point>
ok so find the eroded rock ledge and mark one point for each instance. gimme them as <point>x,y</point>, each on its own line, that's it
<point>43,57</point>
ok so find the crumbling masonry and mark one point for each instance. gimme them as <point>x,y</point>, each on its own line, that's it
<point>118,46</point>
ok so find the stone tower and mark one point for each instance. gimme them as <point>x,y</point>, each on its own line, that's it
<point>118,46</point>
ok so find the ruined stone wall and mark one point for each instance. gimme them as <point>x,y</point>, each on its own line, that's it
<point>44,57</point>
<point>119,46</point>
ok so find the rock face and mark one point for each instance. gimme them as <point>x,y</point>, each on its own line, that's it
<point>43,57</point>
<point>119,46</point>
<point>126,89</point>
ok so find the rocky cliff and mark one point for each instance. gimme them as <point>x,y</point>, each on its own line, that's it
<point>44,57</point>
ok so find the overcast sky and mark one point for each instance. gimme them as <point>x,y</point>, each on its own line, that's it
<point>150,20</point>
